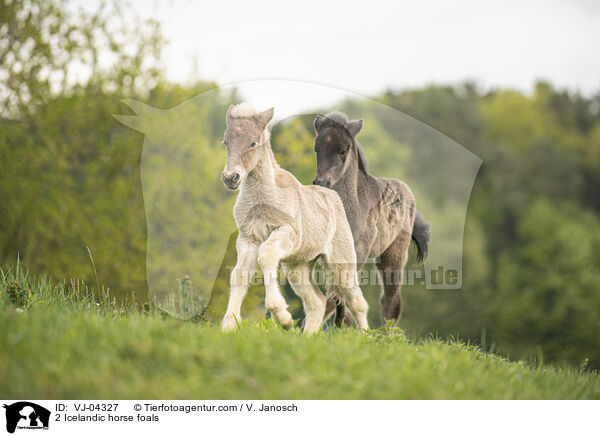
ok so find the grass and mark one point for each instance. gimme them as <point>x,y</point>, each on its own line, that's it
<point>59,341</point>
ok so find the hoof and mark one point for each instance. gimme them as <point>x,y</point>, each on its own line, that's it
<point>287,322</point>
<point>229,323</point>
<point>391,310</point>
<point>284,318</point>
<point>310,331</point>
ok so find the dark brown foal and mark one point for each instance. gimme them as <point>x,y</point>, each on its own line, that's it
<point>381,212</point>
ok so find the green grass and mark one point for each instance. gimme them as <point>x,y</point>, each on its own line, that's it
<point>59,341</point>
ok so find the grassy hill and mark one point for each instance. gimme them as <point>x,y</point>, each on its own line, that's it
<point>59,341</point>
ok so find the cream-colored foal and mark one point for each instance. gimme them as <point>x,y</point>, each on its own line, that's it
<point>280,221</point>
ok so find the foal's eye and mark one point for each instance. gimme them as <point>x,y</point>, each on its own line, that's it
<point>343,152</point>
<point>253,145</point>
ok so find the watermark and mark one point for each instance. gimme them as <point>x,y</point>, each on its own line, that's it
<point>152,417</point>
<point>364,277</point>
<point>189,210</point>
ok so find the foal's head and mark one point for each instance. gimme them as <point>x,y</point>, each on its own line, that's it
<point>336,148</point>
<point>245,138</point>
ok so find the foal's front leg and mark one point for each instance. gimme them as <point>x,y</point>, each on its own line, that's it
<point>280,244</point>
<point>245,267</point>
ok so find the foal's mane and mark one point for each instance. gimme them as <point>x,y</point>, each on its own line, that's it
<point>362,160</point>
<point>341,119</point>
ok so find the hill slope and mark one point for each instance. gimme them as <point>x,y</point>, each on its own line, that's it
<point>79,347</point>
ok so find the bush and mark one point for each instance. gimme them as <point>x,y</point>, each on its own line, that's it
<point>547,295</point>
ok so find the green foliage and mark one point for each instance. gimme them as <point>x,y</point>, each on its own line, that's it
<point>529,268</point>
<point>22,293</point>
<point>293,147</point>
<point>546,287</point>
<point>70,175</point>
<point>18,294</point>
<point>48,48</point>
<point>76,187</point>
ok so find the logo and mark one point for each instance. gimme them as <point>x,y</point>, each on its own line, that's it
<point>26,415</point>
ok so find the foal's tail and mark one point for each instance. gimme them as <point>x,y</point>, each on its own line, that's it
<point>421,234</point>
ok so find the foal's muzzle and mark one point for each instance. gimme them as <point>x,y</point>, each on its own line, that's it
<point>232,181</point>
<point>321,182</point>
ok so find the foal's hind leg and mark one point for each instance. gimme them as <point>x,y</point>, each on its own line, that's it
<point>392,263</point>
<point>363,248</point>
<point>342,266</point>
<point>335,308</point>
<point>354,300</point>
<point>300,279</point>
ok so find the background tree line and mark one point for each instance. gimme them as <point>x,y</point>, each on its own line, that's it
<point>70,179</point>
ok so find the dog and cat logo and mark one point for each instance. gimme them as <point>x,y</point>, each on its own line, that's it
<point>26,415</point>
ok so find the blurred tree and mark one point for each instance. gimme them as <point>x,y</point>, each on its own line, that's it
<point>46,50</point>
<point>68,177</point>
<point>546,286</point>
<point>293,147</point>
<point>538,150</point>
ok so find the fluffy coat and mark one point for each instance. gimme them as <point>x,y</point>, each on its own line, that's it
<point>282,222</point>
<point>381,211</point>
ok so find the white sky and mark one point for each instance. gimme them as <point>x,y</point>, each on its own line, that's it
<point>368,46</point>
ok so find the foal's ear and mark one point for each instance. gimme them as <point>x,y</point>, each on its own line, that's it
<point>354,127</point>
<point>228,116</point>
<point>263,118</point>
<point>319,120</point>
